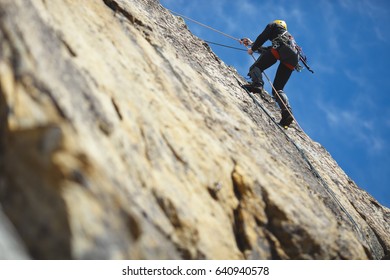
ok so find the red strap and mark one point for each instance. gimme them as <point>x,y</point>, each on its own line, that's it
<point>275,53</point>
<point>277,56</point>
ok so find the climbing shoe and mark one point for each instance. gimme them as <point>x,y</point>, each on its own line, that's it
<point>287,118</point>
<point>253,87</point>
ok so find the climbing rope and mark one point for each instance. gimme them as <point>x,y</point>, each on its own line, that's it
<point>226,46</point>
<point>204,25</point>
<point>301,152</point>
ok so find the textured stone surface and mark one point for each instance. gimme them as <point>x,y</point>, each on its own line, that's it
<point>123,136</point>
<point>11,247</point>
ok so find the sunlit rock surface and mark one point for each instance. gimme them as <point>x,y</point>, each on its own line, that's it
<point>123,136</point>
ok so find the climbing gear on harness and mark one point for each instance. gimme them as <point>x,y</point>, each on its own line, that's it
<point>303,59</point>
<point>281,23</point>
<point>284,39</point>
<point>288,40</point>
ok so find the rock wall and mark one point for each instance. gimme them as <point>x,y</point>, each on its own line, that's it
<point>123,136</point>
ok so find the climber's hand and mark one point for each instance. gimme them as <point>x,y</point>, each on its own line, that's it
<point>246,42</point>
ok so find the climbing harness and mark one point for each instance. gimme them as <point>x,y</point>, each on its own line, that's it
<point>281,39</point>
<point>301,152</point>
<point>288,40</point>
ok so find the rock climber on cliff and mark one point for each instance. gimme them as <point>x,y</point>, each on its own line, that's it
<point>284,49</point>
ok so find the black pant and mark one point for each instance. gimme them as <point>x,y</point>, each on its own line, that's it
<point>282,76</point>
<point>283,73</point>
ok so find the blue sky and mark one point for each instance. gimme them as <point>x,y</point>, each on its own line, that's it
<point>345,105</point>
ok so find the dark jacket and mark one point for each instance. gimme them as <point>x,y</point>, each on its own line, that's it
<point>285,51</point>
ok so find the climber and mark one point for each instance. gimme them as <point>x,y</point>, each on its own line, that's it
<point>284,49</point>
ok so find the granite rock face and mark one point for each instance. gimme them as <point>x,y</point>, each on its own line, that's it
<point>123,136</point>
